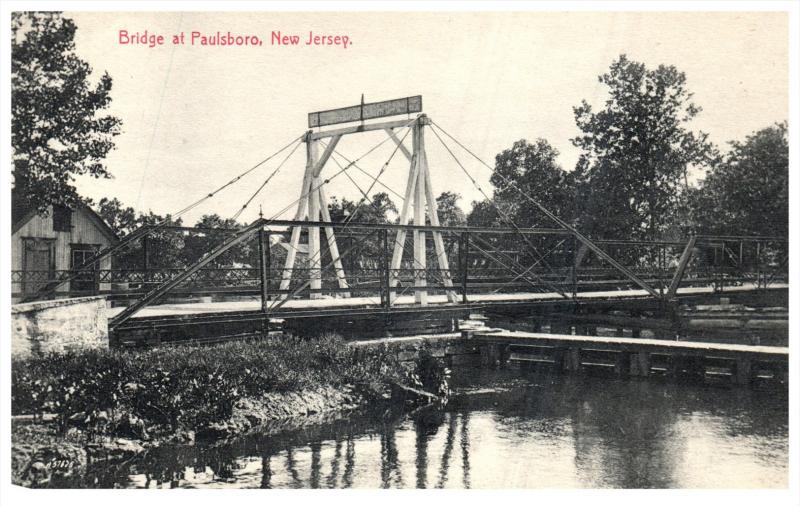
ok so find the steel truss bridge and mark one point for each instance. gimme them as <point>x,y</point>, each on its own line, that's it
<point>412,270</point>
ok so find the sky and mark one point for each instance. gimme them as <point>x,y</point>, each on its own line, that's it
<point>194,117</point>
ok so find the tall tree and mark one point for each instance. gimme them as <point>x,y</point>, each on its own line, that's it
<point>122,220</point>
<point>637,151</point>
<point>197,245</point>
<point>748,192</point>
<point>57,131</point>
<point>531,168</point>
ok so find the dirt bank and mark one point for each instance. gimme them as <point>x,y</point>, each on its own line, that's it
<point>41,457</point>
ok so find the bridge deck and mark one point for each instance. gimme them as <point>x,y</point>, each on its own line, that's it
<point>406,301</point>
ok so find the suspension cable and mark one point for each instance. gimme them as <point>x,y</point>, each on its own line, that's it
<point>500,211</point>
<point>126,242</point>
<point>563,224</point>
<point>365,195</point>
<point>376,180</point>
<point>267,180</point>
<point>380,173</point>
<point>235,179</point>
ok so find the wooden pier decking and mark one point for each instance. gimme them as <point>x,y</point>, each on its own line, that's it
<point>635,356</point>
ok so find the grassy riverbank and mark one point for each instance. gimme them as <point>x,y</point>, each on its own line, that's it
<point>80,406</point>
<point>164,390</point>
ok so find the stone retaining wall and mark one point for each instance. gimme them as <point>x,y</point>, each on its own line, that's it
<point>454,348</point>
<point>58,325</point>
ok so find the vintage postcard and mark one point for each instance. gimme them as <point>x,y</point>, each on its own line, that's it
<point>516,246</point>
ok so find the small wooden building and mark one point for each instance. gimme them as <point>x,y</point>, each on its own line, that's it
<point>47,247</point>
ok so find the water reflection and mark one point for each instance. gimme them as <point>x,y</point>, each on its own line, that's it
<point>506,429</point>
<point>465,449</point>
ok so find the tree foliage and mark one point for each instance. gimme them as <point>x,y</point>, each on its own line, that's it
<point>531,168</point>
<point>380,209</point>
<point>484,213</point>
<point>748,192</point>
<point>197,245</point>
<point>122,220</point>
<point>637,151</point>
<point>377,210</point>
<point>165,247</point>
<point>450,214</point>
<point>57,131</point>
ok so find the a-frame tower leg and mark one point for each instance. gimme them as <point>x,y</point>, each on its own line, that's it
<point>408,198</point>
<point>313,206</point>
<point>438,241</point>
<point>419,191</point>
<point>332,246</point>
<point>302,206</point>
<point>420,256</point>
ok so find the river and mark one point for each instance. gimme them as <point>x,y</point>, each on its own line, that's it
<point>507,429</point>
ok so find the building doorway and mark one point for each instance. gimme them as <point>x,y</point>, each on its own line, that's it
<point>86,280</point>
<point>38,264</point>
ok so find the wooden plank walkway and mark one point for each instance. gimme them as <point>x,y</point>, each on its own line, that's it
<point>407,301</point>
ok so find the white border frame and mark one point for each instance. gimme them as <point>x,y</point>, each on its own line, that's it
<point>11,495</point>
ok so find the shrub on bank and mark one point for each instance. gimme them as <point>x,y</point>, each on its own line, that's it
<point>113,391</point>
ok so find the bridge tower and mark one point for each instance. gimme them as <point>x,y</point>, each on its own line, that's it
<point>419,203</point>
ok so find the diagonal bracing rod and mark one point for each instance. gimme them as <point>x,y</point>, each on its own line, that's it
<point>158,292</point>
<point>597,249</point>
<point>333,262</point>
<point>679,271</point>
<point>518,266</point>
<point>51,287</point>
<point>582,238</point>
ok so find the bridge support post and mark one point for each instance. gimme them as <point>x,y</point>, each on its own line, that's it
<point>578,254</point>
<point>675,367</point>
<point>314,250</point>
<point>492,355</point>
<point>302,207</point>
<point>420,253</point>
<point>743,371</point>
<point>696,368</point>
<point>145,253</point>
<point>264,264</point>
<point>640,364</point>
<point>622,364</point>
<point>463,258</point>
<point>385,274</point>
<point>573,358</point>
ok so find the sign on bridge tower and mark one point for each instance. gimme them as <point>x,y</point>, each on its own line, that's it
<point>418,199</point>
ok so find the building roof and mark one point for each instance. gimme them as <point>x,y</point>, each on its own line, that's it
<point>22,213</point>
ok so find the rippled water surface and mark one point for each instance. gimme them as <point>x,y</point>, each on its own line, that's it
<point>504,430</point>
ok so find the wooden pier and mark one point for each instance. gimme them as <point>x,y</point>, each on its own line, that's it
<point>635,356</point>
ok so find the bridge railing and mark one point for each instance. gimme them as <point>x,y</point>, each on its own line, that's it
<point>480,262</point>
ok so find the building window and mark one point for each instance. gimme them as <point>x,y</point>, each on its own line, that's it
<point>62,219</point>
